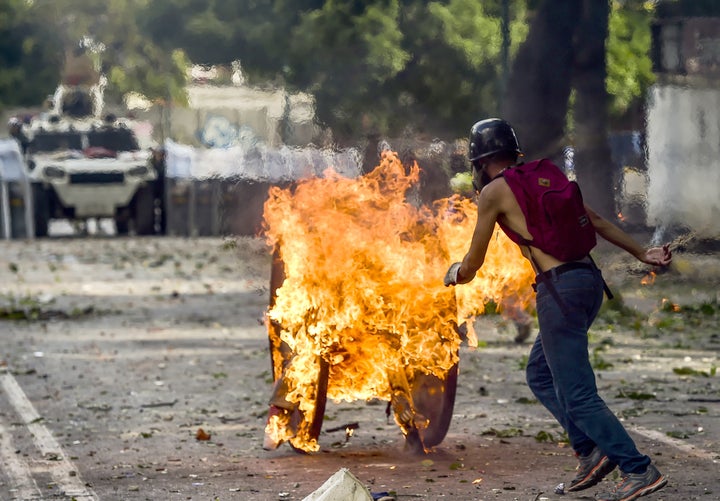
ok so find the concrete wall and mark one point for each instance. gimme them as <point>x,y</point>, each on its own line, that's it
<point>683,138</point>
<point>220,117</point>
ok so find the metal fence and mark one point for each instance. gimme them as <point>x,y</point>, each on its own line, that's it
<point>222,191</point>
<point>16,207</point>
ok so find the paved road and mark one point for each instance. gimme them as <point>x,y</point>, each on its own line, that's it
<point>138,344</point>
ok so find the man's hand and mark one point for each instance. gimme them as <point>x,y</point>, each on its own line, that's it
<point>658,256</point>
<point>452,277</point>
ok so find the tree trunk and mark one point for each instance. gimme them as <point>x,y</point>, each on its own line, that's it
<point>540,81</point>
<point>593,162</point>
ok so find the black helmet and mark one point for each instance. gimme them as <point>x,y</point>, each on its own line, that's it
<point>491,136</point>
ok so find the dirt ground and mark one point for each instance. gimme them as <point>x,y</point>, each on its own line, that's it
<point>130,349</point>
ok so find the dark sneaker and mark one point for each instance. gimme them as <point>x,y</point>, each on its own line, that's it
<point>591,470</point>
<point>635,485</point>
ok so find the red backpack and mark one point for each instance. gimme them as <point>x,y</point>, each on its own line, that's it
<point>554,210</point>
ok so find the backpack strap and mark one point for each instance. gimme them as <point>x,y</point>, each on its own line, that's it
<point>608,292</point>
<point>515,236</point>
<point>512,234</point>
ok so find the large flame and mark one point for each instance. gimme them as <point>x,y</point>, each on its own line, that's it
<point>363,286</point>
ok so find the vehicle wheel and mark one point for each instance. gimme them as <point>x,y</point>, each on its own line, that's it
<point>434,398</point>
<point>143,211</point>
<point>41,210</point>
<point>422,405</point>
<point>122,221</point>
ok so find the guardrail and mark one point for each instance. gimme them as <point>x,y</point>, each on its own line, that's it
<point>222,191</point>
<point>16,206</point>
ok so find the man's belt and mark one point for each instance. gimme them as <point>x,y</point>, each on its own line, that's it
<point>563,268</point>
<point>547,276</point>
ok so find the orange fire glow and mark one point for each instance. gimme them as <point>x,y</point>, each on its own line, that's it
<point>667,305</point>
<point>364,290</point>
<point>648,279</point>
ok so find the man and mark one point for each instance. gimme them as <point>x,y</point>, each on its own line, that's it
<point>569,296</point>
<point>158,162</point>
<point>15,127</point>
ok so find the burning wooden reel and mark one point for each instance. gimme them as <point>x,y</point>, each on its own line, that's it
<point>422,404</point>
<point>358,310</point>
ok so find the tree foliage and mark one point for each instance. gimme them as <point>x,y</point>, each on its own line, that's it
<point>375,67</point>
<point>474,29</point>
<point>346,55</point>
<point>628,54</point>
<point>438,70</point>
<point>41,32</point>
<point>29,61</point>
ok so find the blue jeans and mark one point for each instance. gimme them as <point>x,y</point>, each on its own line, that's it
<point>560,375</point>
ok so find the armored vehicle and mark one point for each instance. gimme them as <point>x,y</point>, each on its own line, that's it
<point>83,167</point>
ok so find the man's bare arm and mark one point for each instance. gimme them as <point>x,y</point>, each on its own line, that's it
<point>488,213</point>
<point>660,256</point>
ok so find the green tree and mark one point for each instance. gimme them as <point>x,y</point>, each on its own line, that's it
<point>572,50</point>
<point>469,43</point>
<point>129,58</point>
<point>628,55</point>
<point>376,67</point>
<point>41,32</point>
<point>437,69</point>
<point>29,59</point>
<point>345,54</point>
<point>257,33</point>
